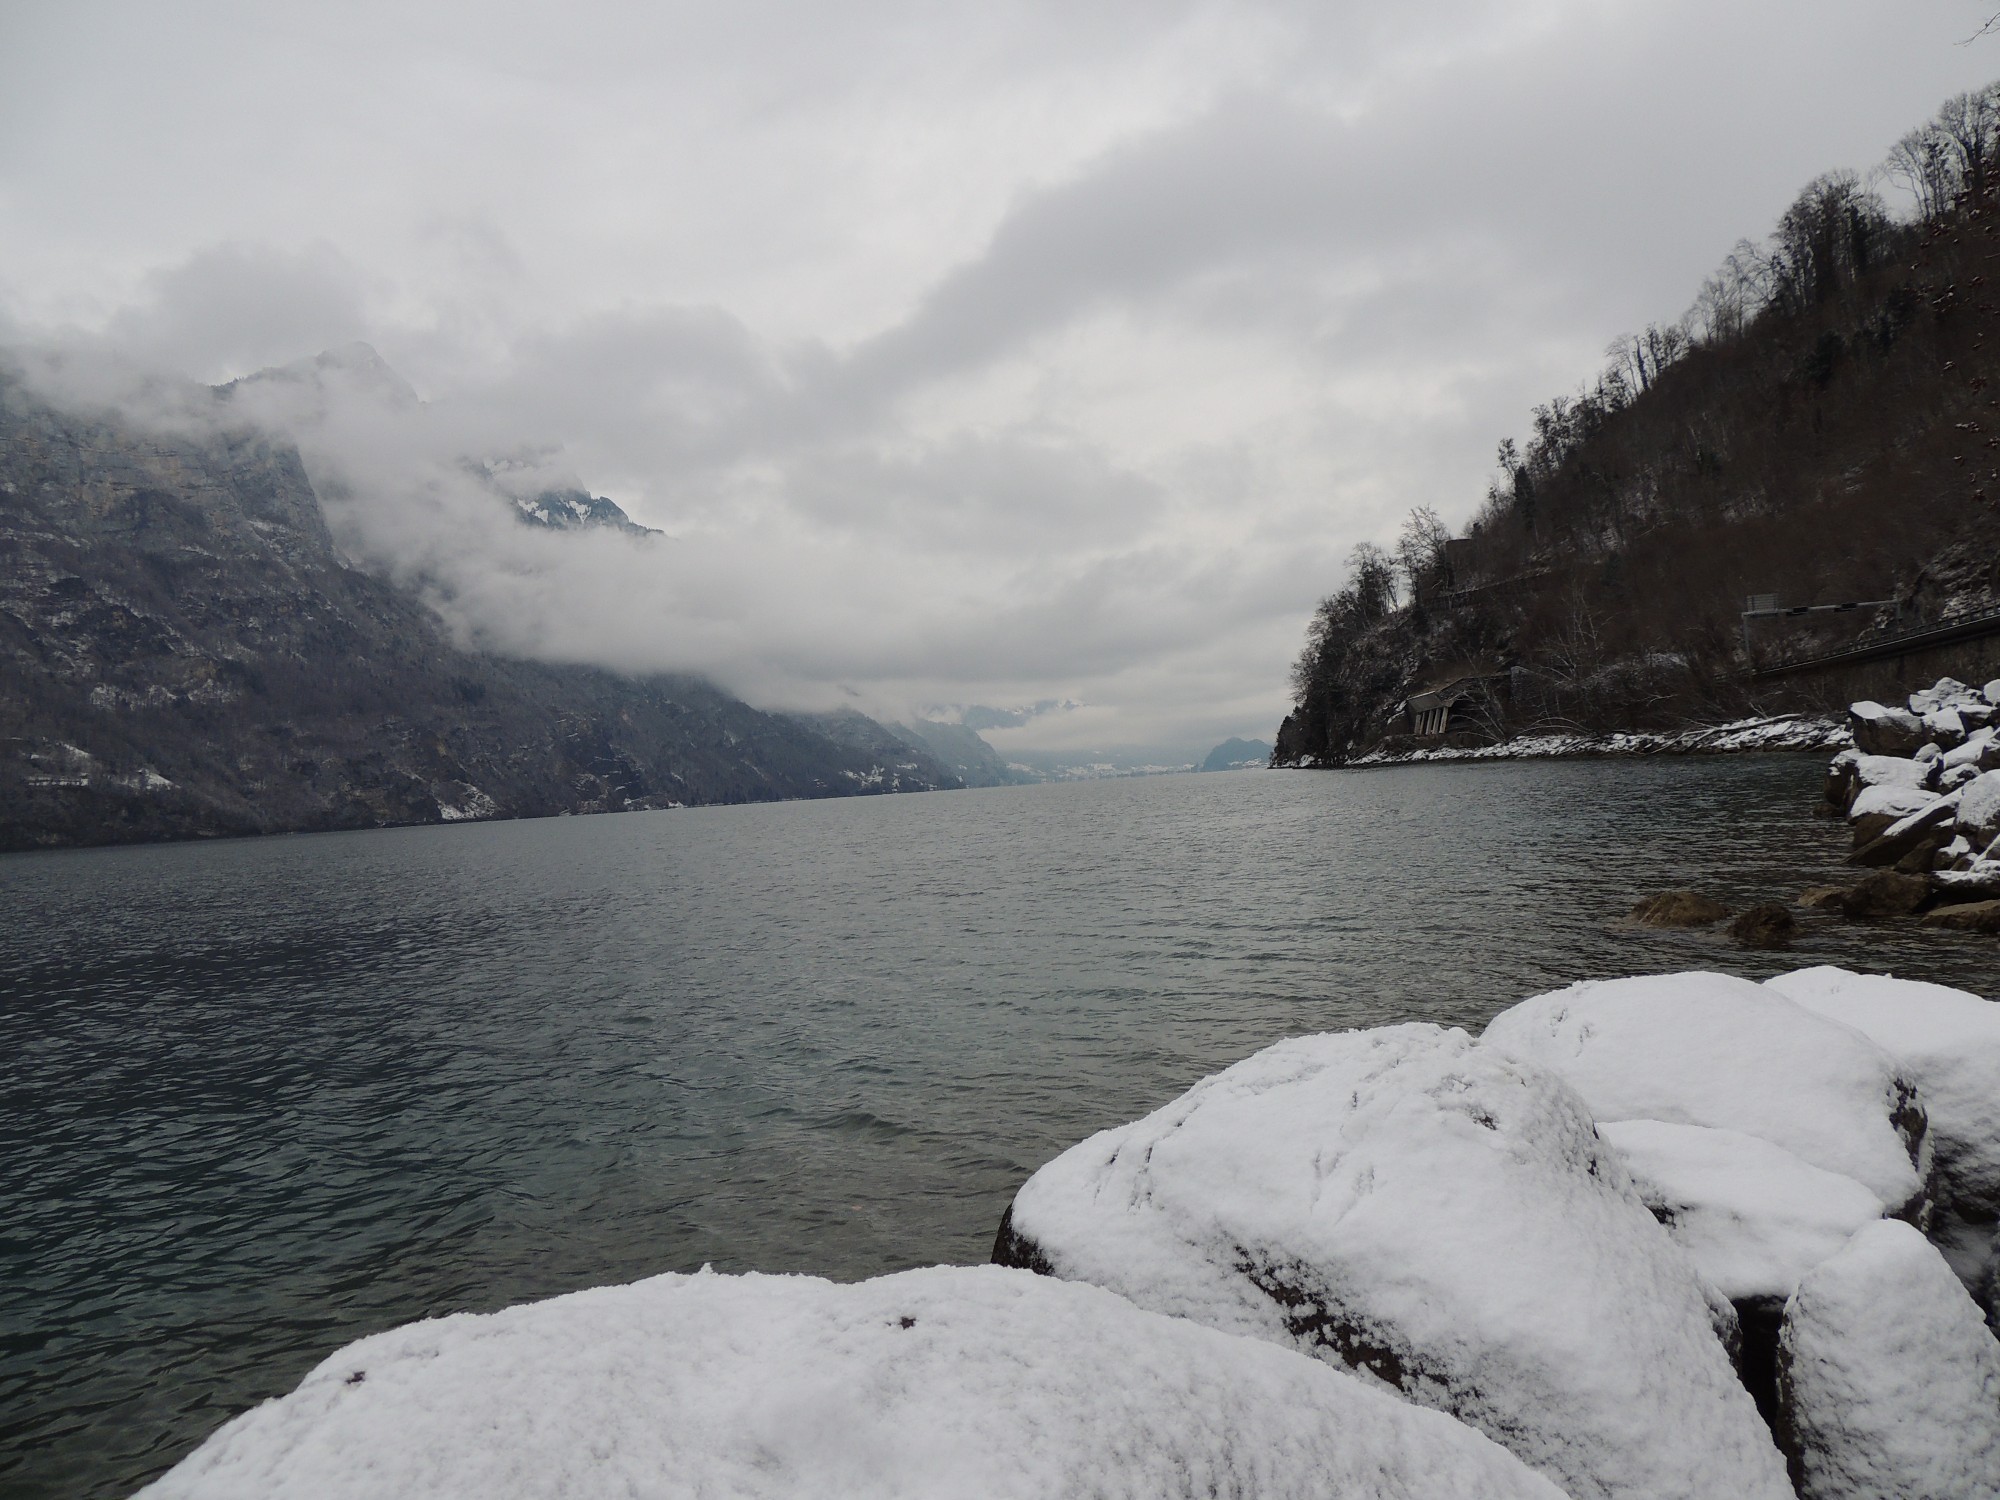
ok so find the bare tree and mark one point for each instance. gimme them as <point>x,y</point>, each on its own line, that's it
<point>1420,549</point>
<point>1969,125</point>
<point>1921,163</point>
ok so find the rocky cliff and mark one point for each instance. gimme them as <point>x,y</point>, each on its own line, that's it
<point>184,652</point>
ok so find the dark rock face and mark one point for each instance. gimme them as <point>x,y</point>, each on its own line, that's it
<point>1678,909</point>
<point>1968,916</point>
<point>1886,893</point>
<point>1909,843</point>
<point>1768,925</point>
<point>183,653</point>
<point>1016,1251</point>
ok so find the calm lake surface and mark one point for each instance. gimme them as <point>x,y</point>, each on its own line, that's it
<point>260,1098</point>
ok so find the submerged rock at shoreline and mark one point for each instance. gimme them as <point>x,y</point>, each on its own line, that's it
<point>1420,1207</point>
<point>1769,924</point>
<point>948,1381</point>
<point>1678,909</point>
<point>1886,893</point>
<point>1889,1381</point>
<point>1967,916</point>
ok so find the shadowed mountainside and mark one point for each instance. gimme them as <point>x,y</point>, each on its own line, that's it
<point>184,652</point>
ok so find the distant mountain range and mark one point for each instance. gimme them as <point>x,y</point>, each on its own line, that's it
<point>577,510</point>
<point>184,652</point>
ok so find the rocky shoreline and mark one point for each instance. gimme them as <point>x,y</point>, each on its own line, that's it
<point>1772,732</point>
<point>1920,788</point>
<point>1652,1238</point>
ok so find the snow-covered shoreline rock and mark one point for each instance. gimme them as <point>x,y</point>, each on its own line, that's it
<point>1947,1043</point>
<point>1436,1213</point>
<point>1716,1051</point>
<point>1889,1382</point>
<point>942,1382</point>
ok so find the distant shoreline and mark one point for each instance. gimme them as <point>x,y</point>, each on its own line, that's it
<point>1777,732</point>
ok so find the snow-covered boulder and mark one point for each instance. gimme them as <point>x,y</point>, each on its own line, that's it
<point>1940,694</point>
<point>1754,1217</point>
<point>1893,800</point>
<point>1979,809</point>
<point>1892,770</point>
<point>1912,840</point>
<point>1991,692</point>
<point>943,1382</point>
<point>1708,1049</point>
<point>1881,730</point>
<point>1889,1383</point>
<point>1945,727</point>
<point>1973,752</point>
<point>1946,1042</point>
<point>1437,1214</point>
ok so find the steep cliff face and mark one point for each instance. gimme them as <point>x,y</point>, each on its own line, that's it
<point>184,652</point>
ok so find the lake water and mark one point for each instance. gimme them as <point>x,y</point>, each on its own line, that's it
<point>260,1098</point>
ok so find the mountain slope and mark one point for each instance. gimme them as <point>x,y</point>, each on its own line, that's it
<point>184,652</point>
<point>964,753</point>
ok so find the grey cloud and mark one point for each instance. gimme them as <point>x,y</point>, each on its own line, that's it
<point>969,355</point>
<point>235,307</point>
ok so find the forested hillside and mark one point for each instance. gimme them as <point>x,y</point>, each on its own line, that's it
<point>1822,425</point>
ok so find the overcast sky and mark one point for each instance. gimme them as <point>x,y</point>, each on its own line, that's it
<point>967,353</point>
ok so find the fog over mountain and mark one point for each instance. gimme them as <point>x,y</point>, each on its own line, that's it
<point>1003,356</point>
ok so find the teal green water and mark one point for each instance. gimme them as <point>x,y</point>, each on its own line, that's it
<point>260,1098</point>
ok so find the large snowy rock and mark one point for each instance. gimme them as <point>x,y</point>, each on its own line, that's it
<point>1945,727</point>
<point>1892,770</point>
<point>1946,1042</point>
<point>1890,801</point>
<point>1754,1217</point>
<point>1916,836</point>
<point>1708,1049</point>
<point>1440,1215</point>
<point>1979,809</point>
<point>1976,750</point>
<point>1880,730</point>
<point>942,1382</point>
<point>1889,1381</point>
